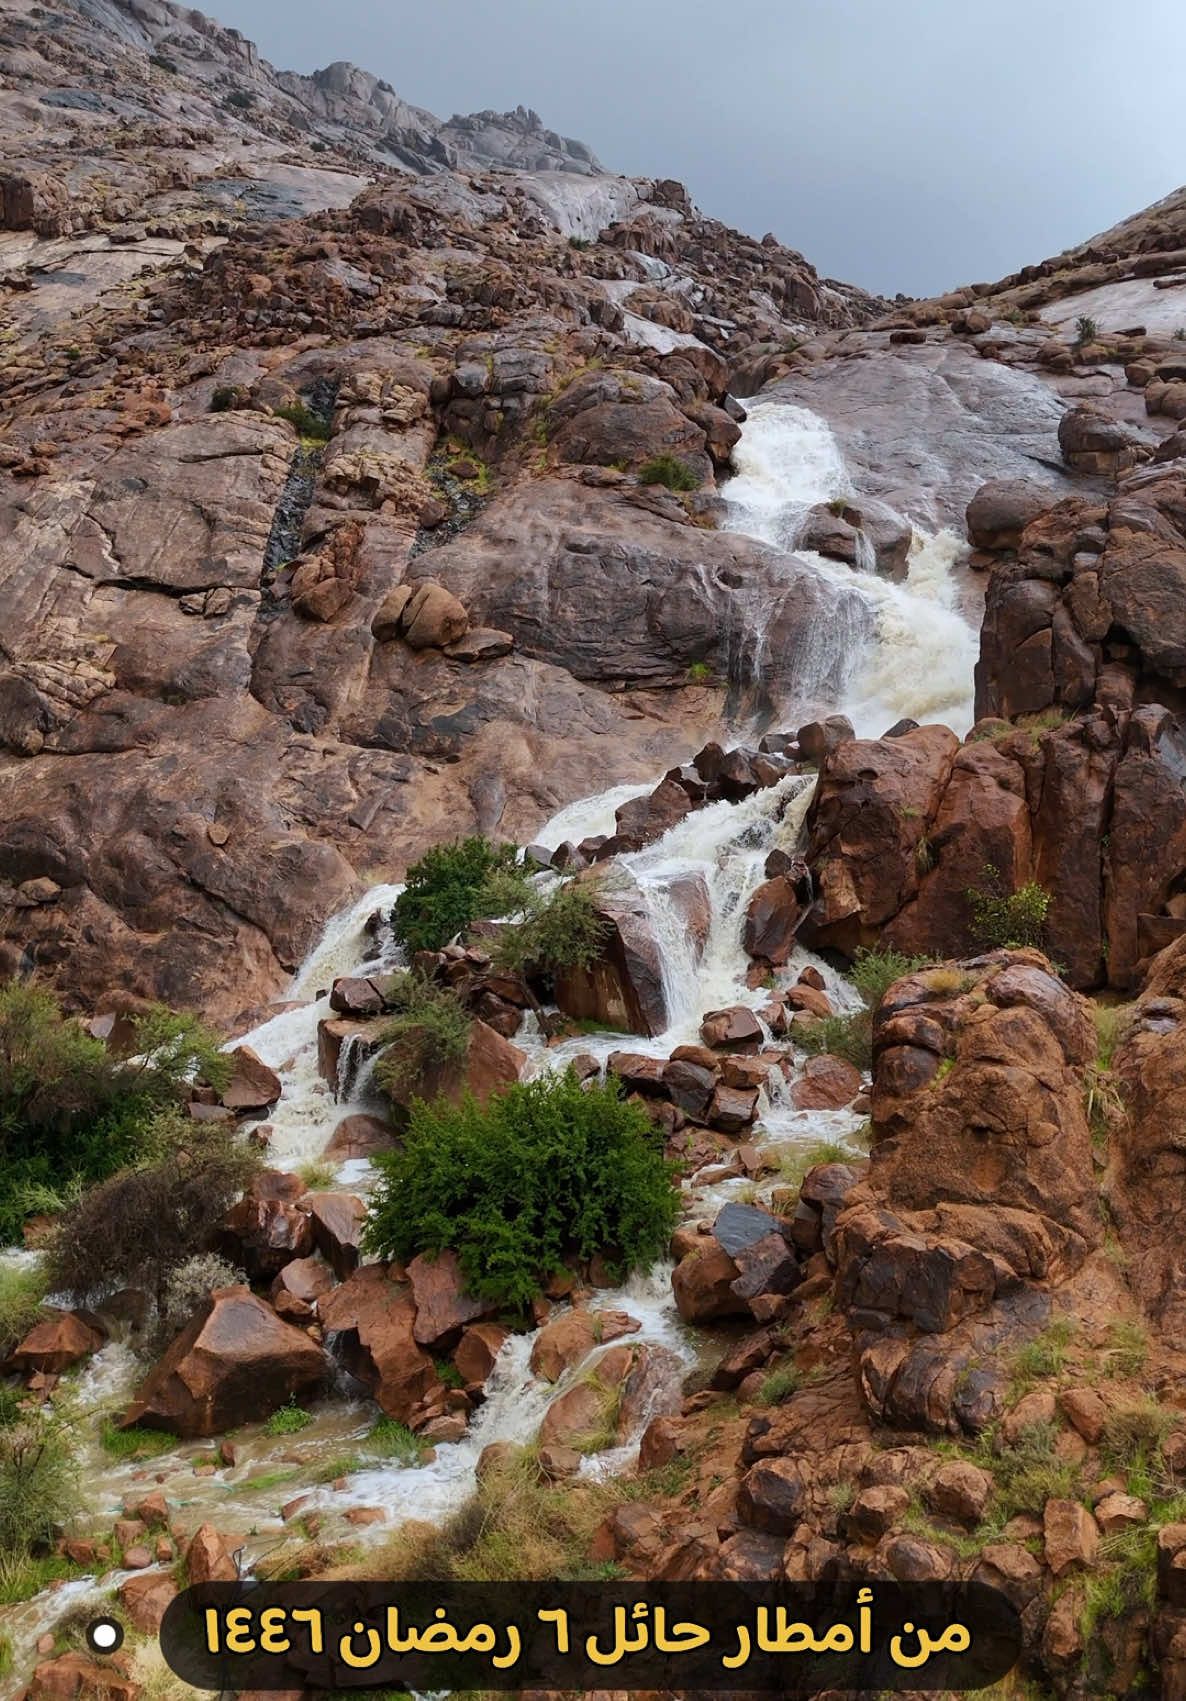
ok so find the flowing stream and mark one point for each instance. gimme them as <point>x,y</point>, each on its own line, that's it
<point>918,664</point>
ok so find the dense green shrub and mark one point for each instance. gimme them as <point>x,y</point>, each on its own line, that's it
<point>445,891</point>
<point>428,1033</point>
<point>668,470</point>
<point>72,1113</point>
<point>140,1226</point>
<point>308,423</point>
<point>1009,919</point>
<point>547,1170</point>
<point>563,929</point>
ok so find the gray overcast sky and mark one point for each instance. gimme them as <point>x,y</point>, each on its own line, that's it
<point>913,145</point>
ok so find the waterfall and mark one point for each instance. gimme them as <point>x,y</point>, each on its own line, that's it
<point>919,663</point>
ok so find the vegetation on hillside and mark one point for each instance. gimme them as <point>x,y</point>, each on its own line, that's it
<point>71,1113</point>
<point>548,1170</point>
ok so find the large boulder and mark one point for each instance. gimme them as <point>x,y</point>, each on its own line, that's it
<point>370,1324</point>
<point>1092,442</point>
<point>1001,510</point>
<point>623,986</point>
<point>236,1362</point>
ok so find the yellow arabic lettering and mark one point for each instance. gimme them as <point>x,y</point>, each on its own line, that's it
<point>681,1638</point>
<point>238,1625</point>
<point>272,1638</point>
<point>622,1643</point>
<point>515,1641</point>
<point>901,1658</point>
<point>744,1650</point>
<point>397,1643</point>
<point>360,1662</point>
<point>312,1617</point>
<point>865,1615</point>
<point>559,1617</point>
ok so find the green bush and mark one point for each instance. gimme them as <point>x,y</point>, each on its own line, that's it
<point>428,1034</point>
<point>239,100</point>
<point>547,1170</point>
<point>1012,920</point>
<point>140,1226</point>
<point>288,1419</point>
<point>1086,330</point>
<point>668,470</point>
<point>850,1037</point>
<point>562,930</point>
<point>874,971</point>
<point>447,889</point>
<point>37,1487</point>
<point>22,1290</point>
<point>305,420</point>
<point>72,1113</point>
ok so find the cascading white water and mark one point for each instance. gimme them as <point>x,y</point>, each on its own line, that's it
<point>919,664</point>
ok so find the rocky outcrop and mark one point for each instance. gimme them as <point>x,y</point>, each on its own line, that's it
<point>236,1362</point>
<point>907,835</point>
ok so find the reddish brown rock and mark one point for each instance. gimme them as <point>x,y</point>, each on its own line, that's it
<point>359,1136</point>
<point>369,1322</point>
<point>206,1558</point>
<point>297,1288</point>
<point>336,1220</point>
<point>1071,1534</point>
<point>825,1083</point>
<point>475,1354</point>
<point>253,1085</point>
<point>443,1306</point>
<point>235,1363</point>
<point>585,1416</point>
<point>734,1029</point>
<point>772,920</point>
<point>145,1599</point>
<point>56,1343</point>
<point>571,1337</point>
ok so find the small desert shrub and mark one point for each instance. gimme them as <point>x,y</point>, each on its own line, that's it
<point>447,889</point>
<point>37,1487</point>
<point>513,1527</point>
<point>239,100</point>
<point>317,1176</point>
<point>699,673</point>
<point>668,470</point>
<point>1028,1472</point>
<point>188,1285</point>
<point>780,1385</point>
<point>1045,1355</point>
<point>288,1419</point>
<point>874,972</point>
<point>1086,330</point>
<point>1012,920</point>
<point>850,1037</point>
<point>22,1290</point>
<point>1128,1347</point>
<point>562,930</point>
<point>71,1112</point>
<point>425,1038</point>
<point>1134,1432</point>
<point>306,422</point>
<point>162,64</point>
<point>796,1164</point>
<point>547,1170</point>
<point>138,1227</point>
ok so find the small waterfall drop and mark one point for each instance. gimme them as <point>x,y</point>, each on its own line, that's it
<point>919,663</point>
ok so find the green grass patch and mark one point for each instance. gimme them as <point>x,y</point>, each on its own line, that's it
<point>289,1419</point>
<point>670,471</point>
<point>135,1442</point>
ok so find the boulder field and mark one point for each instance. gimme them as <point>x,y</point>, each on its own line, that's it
<point>368,481</point>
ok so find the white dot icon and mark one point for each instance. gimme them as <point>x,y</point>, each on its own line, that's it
<point>104,1635</point>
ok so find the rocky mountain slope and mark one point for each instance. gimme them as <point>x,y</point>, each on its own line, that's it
<point>367,481</point>
<point>234,425</point>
